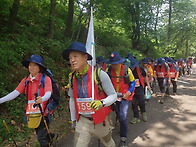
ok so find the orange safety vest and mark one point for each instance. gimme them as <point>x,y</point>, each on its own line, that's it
<point>180,64</point>
<point>41,92</point>
<point>161,72</point>
<point>172,71</point>
<point>123,87</point>
<point>100,115</point>
<point>141,79</point>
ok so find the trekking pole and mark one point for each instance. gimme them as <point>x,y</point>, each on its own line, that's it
<point>9,132</point>
<point>36,95</point>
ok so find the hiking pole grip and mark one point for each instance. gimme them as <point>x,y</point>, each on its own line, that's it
<point>34,105</point>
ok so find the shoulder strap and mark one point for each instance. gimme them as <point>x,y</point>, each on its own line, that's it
<point>97,78</point>
<point>72,78</point>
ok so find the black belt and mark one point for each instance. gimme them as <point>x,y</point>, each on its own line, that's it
<point>89,118</point>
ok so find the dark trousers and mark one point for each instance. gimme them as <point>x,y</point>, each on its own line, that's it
<point>42,134</point>
<point>174,86</point>
<point>138,100</point>
<point>163,84</point>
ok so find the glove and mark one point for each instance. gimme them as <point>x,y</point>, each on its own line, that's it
<point>73,124</point>
<point>96,104</point>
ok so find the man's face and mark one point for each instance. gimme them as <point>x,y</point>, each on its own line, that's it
<point>116,66</point>
<point>78,60</point>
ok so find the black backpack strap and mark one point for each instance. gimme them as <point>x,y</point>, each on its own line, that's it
<point>97,78</point>
<point>72,76</point>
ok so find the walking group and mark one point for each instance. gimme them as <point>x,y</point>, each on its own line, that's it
<point>118,83</point>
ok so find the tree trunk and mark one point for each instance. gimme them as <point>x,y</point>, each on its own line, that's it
<point>51,16</point>
<point>169,25</point>
<point>68,30</point>
<point>187,48</point>
<point>135,12</point>
<point>13,14</point>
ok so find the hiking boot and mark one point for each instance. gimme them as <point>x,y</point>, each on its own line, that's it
<point>162,100</point>
<point>135,120</point>
<point>144,117</point>
<point>123,142</point>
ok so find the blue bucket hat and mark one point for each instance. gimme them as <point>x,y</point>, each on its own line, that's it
<point>130,55</point>
<point>100,59</point>
<point>134,63</point>
<point>76,46</point>
<point>160,61</point>
<point>34,58</point>
<point>115,58</point>
<point>145,61</point>
<point>170,60</point>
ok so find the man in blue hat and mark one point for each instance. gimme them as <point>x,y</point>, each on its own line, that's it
<point>174,72</point>
<point>90,115</point>
<point>161,71</point>
<point>138,98</point>
<point>101,62</point>
<point>124,83</point>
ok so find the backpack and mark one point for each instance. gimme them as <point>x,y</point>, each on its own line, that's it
<point>55,97</point>
<point>126,75</point>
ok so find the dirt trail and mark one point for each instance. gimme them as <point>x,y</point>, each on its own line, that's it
<point>172,124</point>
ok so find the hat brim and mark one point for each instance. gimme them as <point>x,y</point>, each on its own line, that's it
<point>25,63</point>
<point>135,65</point>
<point>66,52</point>
<point>116,62</point>
<point>101,62</point>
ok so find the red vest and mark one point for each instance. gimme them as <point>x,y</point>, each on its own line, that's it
<point>100,115</point>
<point>180,64</point>
<point>189,63</point>
<point>123,87</point>
<point>41,92</point>
<point>140,76</point>
<point>104,66</point>
<point>161,72</point>
<point>172,71</point>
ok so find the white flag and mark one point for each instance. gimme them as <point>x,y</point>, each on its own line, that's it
<point>90,47</point>
<point>90,42</point>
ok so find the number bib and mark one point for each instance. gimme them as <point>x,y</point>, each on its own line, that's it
<point>137,83</point>
<point>160,74</point>
<point>84,106</point>
<point>30,109</point>
<point>172,74</point>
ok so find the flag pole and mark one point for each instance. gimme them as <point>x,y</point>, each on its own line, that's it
<point>90,46</point>
<point>92,53</point>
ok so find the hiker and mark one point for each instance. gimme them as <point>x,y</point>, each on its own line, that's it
<point>189,66</point>
<point>91,117</point>
<point>101,62</point>
<point>124,83</point>
<point>181,66</point>
<point>161,71</point>
<point>174,72</point>
<point>36,69</point>
<point>138,98</point>
<point>149,72</point>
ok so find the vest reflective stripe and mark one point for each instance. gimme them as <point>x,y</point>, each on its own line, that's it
<point>99,115</point>
<point>161,72</point>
